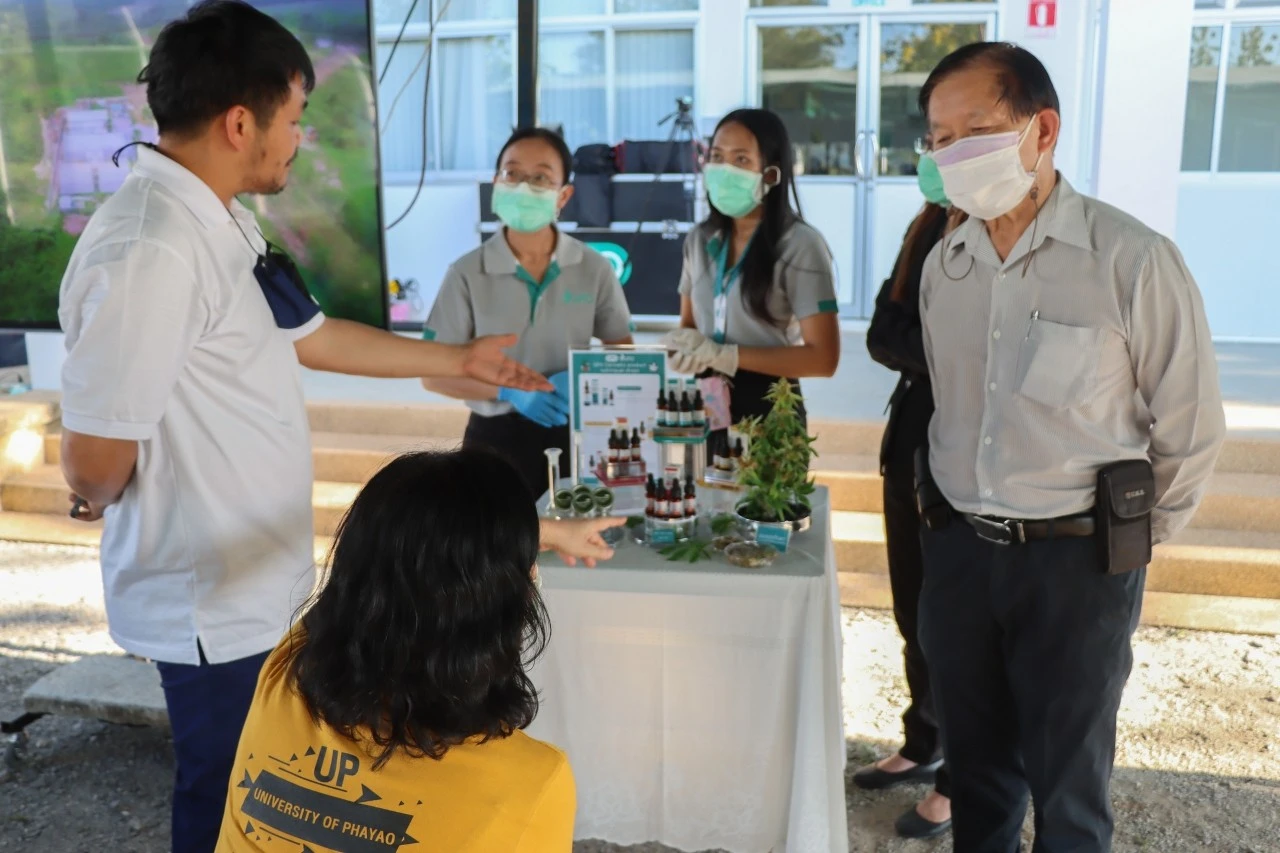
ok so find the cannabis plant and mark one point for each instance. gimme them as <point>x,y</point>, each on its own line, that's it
<point>775,468</point>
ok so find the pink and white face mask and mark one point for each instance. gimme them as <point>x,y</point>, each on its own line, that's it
<point>984,176</point>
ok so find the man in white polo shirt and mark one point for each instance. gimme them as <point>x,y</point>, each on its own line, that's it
<point>183,415</point>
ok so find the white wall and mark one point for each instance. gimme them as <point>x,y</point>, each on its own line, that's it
<point>440,228</point>
<point>1143,102</point>
<point>1226,231</point>
<point>1067,55</point>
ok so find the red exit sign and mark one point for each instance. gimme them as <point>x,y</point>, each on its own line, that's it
<point>1042,15</point>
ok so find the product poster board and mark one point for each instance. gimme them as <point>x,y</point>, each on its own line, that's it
<point>614,388</point>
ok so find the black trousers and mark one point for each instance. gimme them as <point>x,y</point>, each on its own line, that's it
<point>1029,650</point>
<point>207,706</point>
<point>747,400</point>
<point>521,442</point>
<point>910,410</point>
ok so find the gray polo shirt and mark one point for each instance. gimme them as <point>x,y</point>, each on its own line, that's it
<point>804,284</point>
<point>487,292</point>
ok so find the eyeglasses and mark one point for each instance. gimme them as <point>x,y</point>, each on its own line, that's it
<point>538,182</point>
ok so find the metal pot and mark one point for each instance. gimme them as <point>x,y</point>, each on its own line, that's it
<point>803,521</point>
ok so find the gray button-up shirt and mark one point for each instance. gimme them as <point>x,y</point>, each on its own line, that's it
<point>1100,353</point>
<point>804,284</point>
<point>487,292</point>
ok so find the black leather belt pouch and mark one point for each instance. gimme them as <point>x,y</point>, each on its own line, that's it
<point>1126,496</point>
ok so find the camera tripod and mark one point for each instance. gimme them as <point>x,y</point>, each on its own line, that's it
<point>684,132</point>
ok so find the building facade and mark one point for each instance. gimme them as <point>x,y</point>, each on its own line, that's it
<point>1171,111</point>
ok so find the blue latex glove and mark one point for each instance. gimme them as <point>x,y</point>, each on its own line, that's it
<point>561,381</point>
<point>544,408</point>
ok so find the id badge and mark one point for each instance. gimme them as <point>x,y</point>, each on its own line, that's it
<point>715,396</point>
<point>721,317</point>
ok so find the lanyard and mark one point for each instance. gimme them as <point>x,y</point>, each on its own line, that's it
<point>725,280</point>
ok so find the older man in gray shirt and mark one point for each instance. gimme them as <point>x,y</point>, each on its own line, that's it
<point>1062,336</point>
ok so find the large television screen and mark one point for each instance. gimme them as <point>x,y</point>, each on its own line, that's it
<point>69,99</point>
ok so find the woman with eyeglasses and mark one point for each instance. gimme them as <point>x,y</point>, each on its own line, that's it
<point>531,280</point>
<point>757,291</point>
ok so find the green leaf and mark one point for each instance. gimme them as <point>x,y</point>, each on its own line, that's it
<point>722,524</point>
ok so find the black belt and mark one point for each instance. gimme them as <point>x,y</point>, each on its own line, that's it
<point>1013,531</point>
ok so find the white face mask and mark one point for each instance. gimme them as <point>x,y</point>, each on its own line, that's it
<point>983,175</point>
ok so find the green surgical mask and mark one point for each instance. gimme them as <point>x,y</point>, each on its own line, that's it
<point>523,208</point>
<point>930,181</point>
<point>734,192</point>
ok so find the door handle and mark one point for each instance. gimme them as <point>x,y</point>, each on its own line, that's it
<point>858,167</point>
<point>875,150</point>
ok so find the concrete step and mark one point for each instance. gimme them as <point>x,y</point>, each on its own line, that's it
<point>1166,609</point>
<point>869,588</point>
<point>338,457</point>
<point>1196,562</point>
<point>1235,501</point>
<point>62,530</point>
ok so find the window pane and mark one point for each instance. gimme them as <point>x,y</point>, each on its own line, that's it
<point>478,10</point>
<point>1210,4</point>
<point>1256,3</point>
<point>401,120</point>
<point>477,108</point>
<point>654,68</point>
<point>569,8</point>
<point>1202,98</point>
<point>392,12</point>
<point>571,86</point>
<point>908,53</point>
<point>809,76</point>
<point>759,3</point>
<point>1251,108</point>
<point>636,7</point>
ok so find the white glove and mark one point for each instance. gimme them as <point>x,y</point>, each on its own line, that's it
<point>719,357</point>
<point>684,362</point>
<point>683,340</point>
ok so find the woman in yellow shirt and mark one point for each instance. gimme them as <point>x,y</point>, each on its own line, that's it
<point>391,717</point>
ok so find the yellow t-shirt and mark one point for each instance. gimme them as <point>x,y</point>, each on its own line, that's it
<point>298,786</point>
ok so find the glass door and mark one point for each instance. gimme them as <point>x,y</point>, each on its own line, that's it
<point>846,85</point>
<point>907,48</point>
<point>809,71</point>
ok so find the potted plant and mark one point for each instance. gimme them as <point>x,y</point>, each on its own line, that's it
<point>775,468</point>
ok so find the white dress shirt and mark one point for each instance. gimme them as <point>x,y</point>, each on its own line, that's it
<point>171,343</point>
<point>1099,353</point>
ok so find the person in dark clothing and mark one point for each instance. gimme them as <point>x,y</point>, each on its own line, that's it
<point>894,339</point>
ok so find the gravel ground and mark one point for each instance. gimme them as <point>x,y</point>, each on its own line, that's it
<point>1198,767</point>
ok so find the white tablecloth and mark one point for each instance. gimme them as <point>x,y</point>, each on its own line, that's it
<point>700,704</point>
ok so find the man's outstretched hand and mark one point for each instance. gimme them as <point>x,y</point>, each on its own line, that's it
<point>484,359</point>
<point>578,538</point>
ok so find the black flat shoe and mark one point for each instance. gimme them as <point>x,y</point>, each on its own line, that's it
<point>914,825</point>
<point>874,779</point>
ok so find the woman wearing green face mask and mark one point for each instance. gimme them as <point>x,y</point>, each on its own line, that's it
<point>895,340</point>
<point>533,281</point>
<point>758,297</point>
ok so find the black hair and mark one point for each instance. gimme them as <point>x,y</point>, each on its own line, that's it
<point>222,54</point>
<point>1025,85</point>
<point>420,637</point>
<point>545,134</point>
<point>929,226</point>
<point>781,209</point>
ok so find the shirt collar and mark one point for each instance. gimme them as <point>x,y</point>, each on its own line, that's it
<point>500,260</point>
<point>199,198</point>
<point>1062,218</point>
